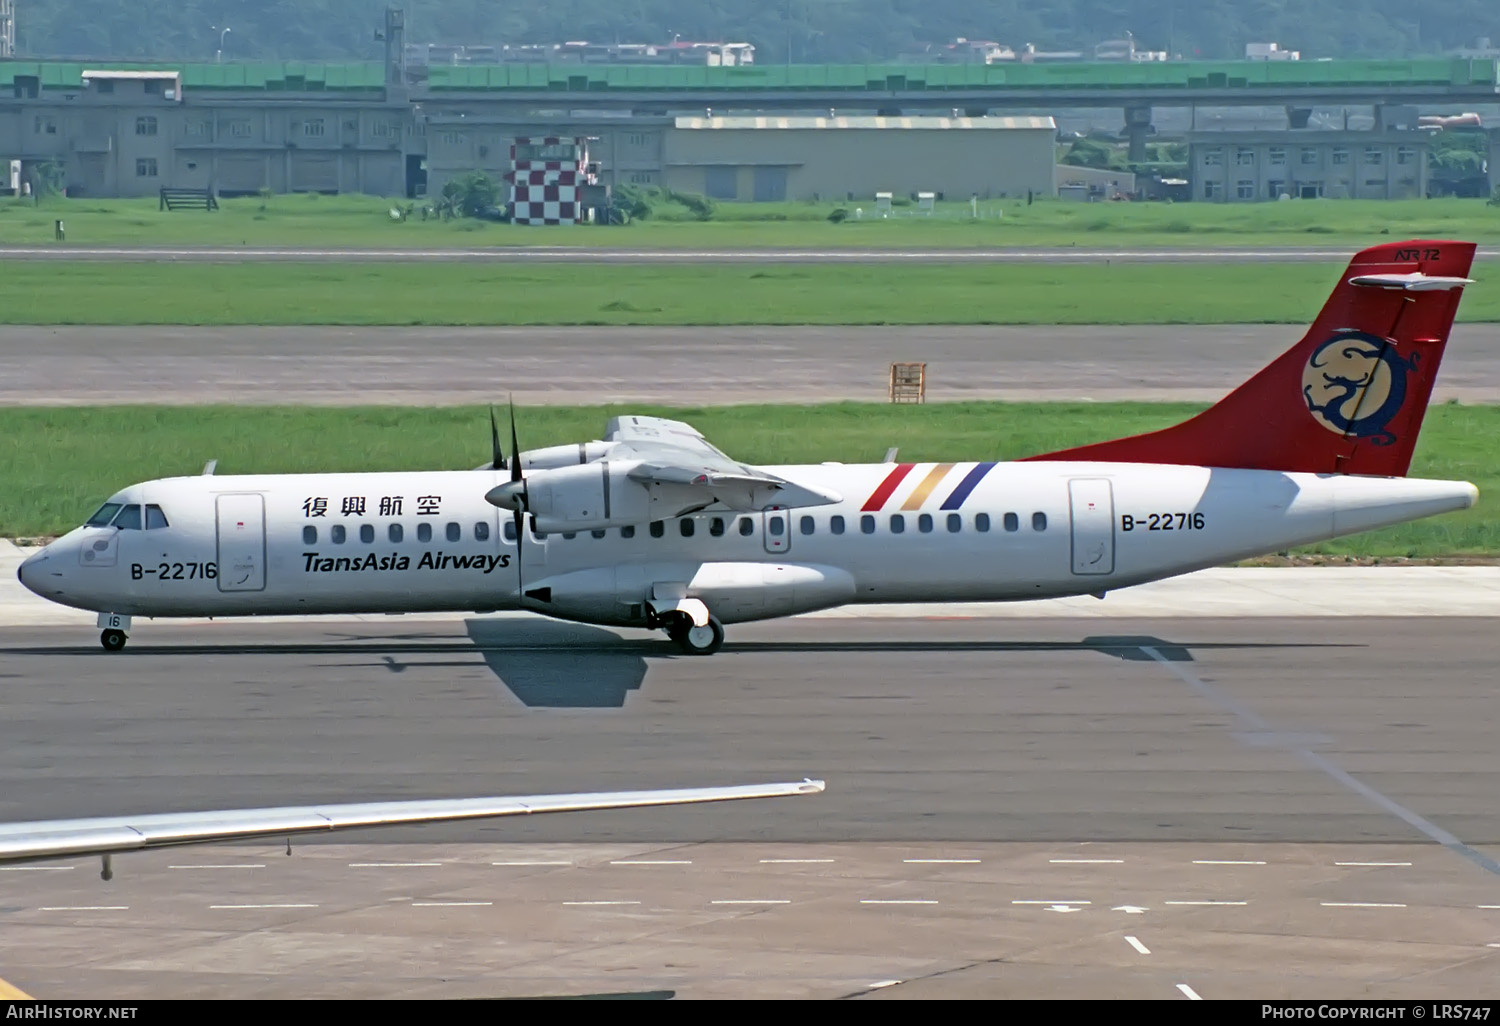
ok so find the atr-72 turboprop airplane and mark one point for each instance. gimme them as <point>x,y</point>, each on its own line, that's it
<point>653,527</point>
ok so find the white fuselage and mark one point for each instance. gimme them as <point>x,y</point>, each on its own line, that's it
<point>411,542</point>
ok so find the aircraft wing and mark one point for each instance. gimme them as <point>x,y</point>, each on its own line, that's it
<point>112,834</point>
<point>672,453</point>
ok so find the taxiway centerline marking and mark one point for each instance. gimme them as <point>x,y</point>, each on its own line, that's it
<point>83,908</point>
<point>390,865</point>
<point>1226,862</point>
<point>1034,901</point>
<point>652,862</point>
<point>601,903</point>
<point>1206,903</point>
<point>942,862</point>
<point>1085,862</point>
<point>264,906</point>
<point>897,901</point>
<point>226,865</point>
<point>1372,863</point>
<point>537,862</point>
<point>35,869</point>
<point>751,901</point>
<point>792,861</point>
<point>1359,904</point>
<point>1137,945</point>
<point>448,904</point>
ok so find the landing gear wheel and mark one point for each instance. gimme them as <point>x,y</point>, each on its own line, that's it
<point>113,640</point>
<point>693,640</point>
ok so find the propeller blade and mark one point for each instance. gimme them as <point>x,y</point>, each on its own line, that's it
<point>497,455</point>
<point>515,446</point>
<point>517,515</point>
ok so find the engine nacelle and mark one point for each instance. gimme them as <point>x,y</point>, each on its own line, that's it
<point>587,497</point>
<point>565,455</point>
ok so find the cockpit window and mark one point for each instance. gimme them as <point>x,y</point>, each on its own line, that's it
<point>155,518</point>
<point>129,518</point>
<point>105,515</point>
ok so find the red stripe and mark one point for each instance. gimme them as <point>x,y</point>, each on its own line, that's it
<point>878,497</point>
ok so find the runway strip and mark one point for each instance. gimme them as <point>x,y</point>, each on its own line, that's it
<point>583,253</point>
<point>675,366</point>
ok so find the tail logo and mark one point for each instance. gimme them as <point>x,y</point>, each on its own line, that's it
<point>1355,384</point>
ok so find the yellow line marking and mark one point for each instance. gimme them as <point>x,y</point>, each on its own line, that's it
<point>11,993</point>
<point>936,474</point>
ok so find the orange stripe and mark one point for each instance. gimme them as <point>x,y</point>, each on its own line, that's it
<point>915,500</point>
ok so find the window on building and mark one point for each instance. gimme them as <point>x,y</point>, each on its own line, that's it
<point>239,128</point>
<point>145,125</point>
<point>424,532</point>
<point>453,532</point>
<point>337,534</point>
<point>636,138</point>
<point>1038,521</point>
<point>807,525</point>
<point>1276,155</point>
<point>453,138</point>
<point>1274,188</point>
<point>1244,156</point>
<point>155,518</point>
<point>309,535</point>
<point>481,531</point>
<point>981,522</point>
<point>1340,155</point>
<point>45,125</point>
<point>1213,156</point>
<point>867,524</point>
<point>1012,522</point>
<point>1406,154</point>
<point>1310,190</point>
<point>313,128</point>
<point>835,525</point>
<point>195,129</point>
<point>747,527</point>
<point>1212,190</point>
<point>1244,189</point>
<point>384,129</point>
<point>145,167</point>
<point>685,525</point>
<point>898,523</point>
<point>1309,156</point>
<point>1374,156</point>
<point>395,532</point>
<point>104,85</point>
<point>152,86</point>
<point>658,528</point>
<point>955,523</point>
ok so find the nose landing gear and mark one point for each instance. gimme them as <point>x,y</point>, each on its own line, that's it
<point>113,639</point>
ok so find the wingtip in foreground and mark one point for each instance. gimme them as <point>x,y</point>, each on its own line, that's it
<point>114,834</point>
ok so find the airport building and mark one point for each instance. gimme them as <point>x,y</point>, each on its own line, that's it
<point>1245,167</point>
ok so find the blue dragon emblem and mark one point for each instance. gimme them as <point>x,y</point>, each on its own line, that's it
<point>1355,384</point>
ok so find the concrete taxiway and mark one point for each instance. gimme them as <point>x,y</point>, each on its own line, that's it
<point>678,366</point>
<point>1289,807</point>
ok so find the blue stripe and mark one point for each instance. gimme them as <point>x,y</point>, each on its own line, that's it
<point>968,484</point>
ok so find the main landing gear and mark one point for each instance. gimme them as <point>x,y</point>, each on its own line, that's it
<point>687,621</point>
<point>694,640</point>
<point>113,640</point>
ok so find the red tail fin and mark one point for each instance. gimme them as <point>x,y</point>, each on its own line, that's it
<point>1349,398</point>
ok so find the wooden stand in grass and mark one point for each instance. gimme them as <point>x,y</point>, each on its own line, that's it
<point>908,382</point>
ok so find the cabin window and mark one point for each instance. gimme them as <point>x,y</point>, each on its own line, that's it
<point>104,516</point>
<point>395,532</point>
<point>538,535</point>
<point>1012,522</point>
<point>155,518</point>
<point>836,524</point>
<point>1038,521</point>
<point>747,526</point>
<point>628,531</point>
<point>898,523</point>
<point>776,527</point>
<point>569,535</point>
<point>129,518</point>
<point>424,532</point>
<point>509,530</point>
<point>807,525</point>
<point>716,527</point>
<point>309,535</point>
<point>367,533</point>
<point>336,534</point>
<point>924,523</point>
<point>955,523</point>
<point>867,524</point>
<point>481,531</point>
<point>598,533</point>
<point>981,521</point>
<point>453,532</point>
<point>658,528</point>
<point>686,527</point>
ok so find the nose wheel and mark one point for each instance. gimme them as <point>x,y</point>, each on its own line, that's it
<point>113,640</point>
<point>694,640</point>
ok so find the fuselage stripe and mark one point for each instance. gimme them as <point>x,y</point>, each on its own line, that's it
<point>878,496</point>
<point>922,491</point>
<point>968,484</point>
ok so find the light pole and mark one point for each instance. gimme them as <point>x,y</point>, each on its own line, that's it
<point>219,54</point>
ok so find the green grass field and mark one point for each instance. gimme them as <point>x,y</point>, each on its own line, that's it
<point>60,463</point>
<point>83,292</point>
<point>363,221</point>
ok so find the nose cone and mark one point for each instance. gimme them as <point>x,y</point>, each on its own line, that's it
<point>30,571</point>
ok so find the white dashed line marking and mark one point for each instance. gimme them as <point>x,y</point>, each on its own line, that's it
<point>793,862</point>
<point>390,865</point>
<point>601,903</point>
<point>1033,901</point>
<point>1226,862</point>
<point>652,862</point>
<point>1487,906</point>
<point>263,906</point>
<point>1206,903</point>
<point>1085,862</point>
<point>1372,863</point>
<point>448,904</point>
<point>1359,904</point>
<point>531,863</point>
<point>227,865</point>
<point>1137,945</point>
<point>83,908</point>
<point>35,869</point>
<point>883,983</point>
<point>751,901</point>
<point>942,862</point>
<point>1192,995</point>
<point>897,901</point>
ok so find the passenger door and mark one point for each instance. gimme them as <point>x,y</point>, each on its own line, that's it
<point>1093,519</point>
<point>777,530</point>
